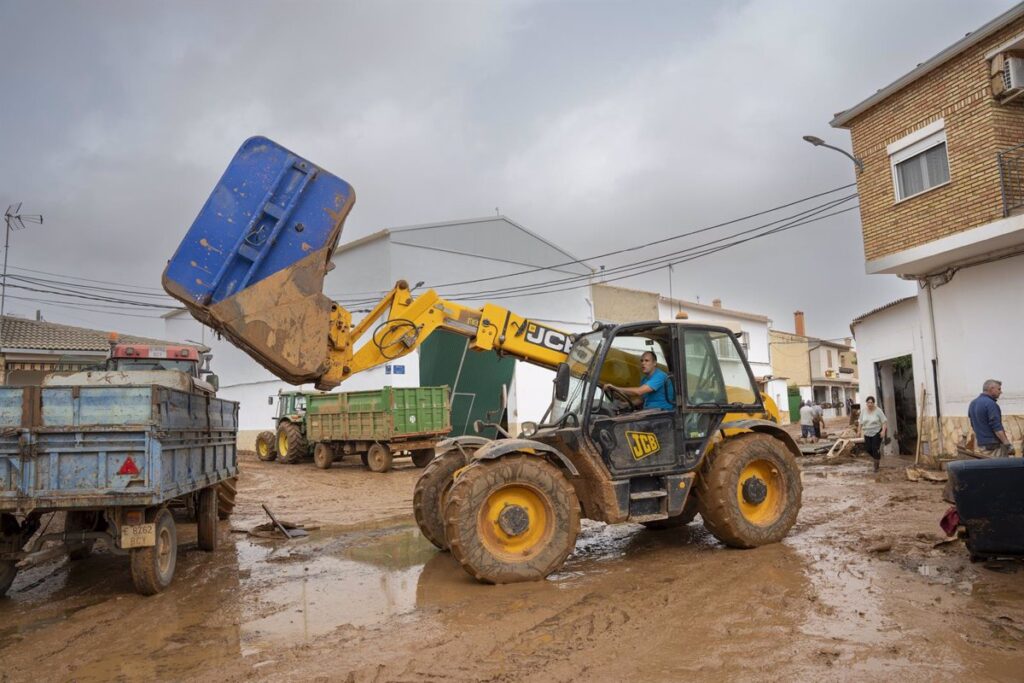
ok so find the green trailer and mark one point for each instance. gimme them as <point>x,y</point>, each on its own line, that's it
<point>378,425</point>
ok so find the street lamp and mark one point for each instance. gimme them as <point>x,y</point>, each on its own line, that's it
<point>15,220</point>
<point>818,142</point>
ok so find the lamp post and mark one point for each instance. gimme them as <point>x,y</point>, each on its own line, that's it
<point>14,220</point>
<point>818,142</point>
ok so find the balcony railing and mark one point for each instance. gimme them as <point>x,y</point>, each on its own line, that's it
<point>1011,178</point>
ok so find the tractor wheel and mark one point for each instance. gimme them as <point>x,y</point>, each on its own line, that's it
<point>226,491</point>
<point>511,519</point>
<point>431,492</point>
<point>291,445</point>
<point>378,458</point>
<point>680,520</point>
<point>749,491</point>
<point>323,455</point>
<point>422,457</point>
<point>81,520</point>
<point>266,448</point>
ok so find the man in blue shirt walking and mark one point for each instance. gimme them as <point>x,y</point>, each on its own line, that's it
<point>656,387</point>
<point>987,420</point>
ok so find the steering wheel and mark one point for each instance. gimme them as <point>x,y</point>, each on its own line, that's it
<point>618,397</point>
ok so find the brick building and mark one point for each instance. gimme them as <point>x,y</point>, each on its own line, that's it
<point>942,203</point>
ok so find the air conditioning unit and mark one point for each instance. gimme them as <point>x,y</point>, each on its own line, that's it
<point>1007,76</point>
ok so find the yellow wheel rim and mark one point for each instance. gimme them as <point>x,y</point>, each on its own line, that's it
<point>261,448</point>
<point>760,492</point>
<point>515,522</point>
<point>282,443</point>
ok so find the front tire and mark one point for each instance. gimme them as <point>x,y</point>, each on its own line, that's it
<point>291,444</point>
<point>266,447</point>
<point>153,567</point>
<point>379,458</point>
<point>512,519</point>
<point>430,495</point>
<point>749,491</point>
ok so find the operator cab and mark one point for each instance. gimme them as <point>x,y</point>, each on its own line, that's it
<point>709,375</point>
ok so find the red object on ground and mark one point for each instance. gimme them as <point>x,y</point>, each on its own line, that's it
<point>950,521</point>
<point>129,467</point>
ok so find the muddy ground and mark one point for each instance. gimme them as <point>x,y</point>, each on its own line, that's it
<point>856,592</point>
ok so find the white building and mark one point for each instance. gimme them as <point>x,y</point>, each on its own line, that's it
<point>470,262</point>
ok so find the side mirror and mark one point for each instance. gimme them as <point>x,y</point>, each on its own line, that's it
<point>214,381</point>
<point>562,382</point>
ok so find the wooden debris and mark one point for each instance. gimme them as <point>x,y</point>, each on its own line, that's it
<point>918,474</point>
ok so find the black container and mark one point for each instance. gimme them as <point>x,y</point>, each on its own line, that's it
<point>989,496</point>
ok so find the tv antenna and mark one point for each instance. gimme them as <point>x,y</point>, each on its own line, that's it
<point>15,220</point>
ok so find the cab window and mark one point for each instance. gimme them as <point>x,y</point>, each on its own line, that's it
<point>715,372</point>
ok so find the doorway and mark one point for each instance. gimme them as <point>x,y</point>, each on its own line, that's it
<point>894,379</point>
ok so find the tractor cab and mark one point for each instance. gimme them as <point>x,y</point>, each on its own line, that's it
<point>291,405</point>
<point>708,382</point>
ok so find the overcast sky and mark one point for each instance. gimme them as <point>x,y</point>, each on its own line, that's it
<point>598,125</point>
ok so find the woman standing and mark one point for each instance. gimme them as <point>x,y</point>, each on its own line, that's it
<point>874,427</point>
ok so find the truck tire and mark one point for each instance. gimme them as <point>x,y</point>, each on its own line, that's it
<point>323,455</point>
<point>207,518</point>
<point>422,457</point>
<point>291,445</point>
<point>153,567</point>
<point>266,446</point>
<point>81,520</point>
<point>8,571</point>
<point>431,492</point>
<point>226,491</point>
<point>749,491</point>
<point>379,458</point>
<point>680,520</point>
<point>511,519</point>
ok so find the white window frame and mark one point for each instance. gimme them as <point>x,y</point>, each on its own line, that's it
<point>918,142</point>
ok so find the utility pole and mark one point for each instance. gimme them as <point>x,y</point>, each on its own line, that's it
<point>14,220</point>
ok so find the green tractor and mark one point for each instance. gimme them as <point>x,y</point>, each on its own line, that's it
<point>288,444</point>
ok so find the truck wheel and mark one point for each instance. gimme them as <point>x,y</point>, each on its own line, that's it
<point>379,458</point>
<point>422,457</point>
<point>266,449</point>
<point>431,492</point>
<point>749,490</point>
<point>680,520</point>
<point>81,520</point>
<point>207,518</point>
<point>153,567</point>
<point>323,456</point>
<point>291,445</point>
<point>226,491</point>
<point>511,519</point>
<point>8,571</point>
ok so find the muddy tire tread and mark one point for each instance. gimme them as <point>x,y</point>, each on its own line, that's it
<point>144,571</point>
<point>297,446</point>
<point>270,439</point>
<point>716,491</point>
<point>226,492</point>
<point>207,517</point>
<point>470,490</point>
<point>422,457</point>
<point>429,490</point>
<point>323,455</point>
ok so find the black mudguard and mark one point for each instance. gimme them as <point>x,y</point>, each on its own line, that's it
<point>500,447</point>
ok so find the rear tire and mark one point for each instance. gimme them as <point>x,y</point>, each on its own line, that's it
<point>749,491</point>
<point>226,491</point>
<point>81,520</point>
<point>422,457</point>
<point>207,518</point>
<point>266,446</point>
<point>323,456</point>
<point>430,495</point>
<point>511,519</point>
<point>291,445</point>
<point>379,458</point>
<point>153,567</point>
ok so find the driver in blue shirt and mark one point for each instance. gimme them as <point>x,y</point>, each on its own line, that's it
<point>656,388</point>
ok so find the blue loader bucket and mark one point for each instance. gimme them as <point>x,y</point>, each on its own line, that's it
<point>252,265</point>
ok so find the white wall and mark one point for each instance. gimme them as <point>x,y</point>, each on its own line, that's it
<point>758,354</point>
<point>890,334</point>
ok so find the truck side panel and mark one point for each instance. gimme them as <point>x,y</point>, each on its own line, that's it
<point>384,415</point>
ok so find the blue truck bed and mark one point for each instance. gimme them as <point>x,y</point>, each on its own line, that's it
<point>67,447</point>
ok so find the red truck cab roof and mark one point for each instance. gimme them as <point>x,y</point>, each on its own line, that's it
<point>170,352</point>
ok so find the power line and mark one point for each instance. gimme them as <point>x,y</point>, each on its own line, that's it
<point>85,279</point>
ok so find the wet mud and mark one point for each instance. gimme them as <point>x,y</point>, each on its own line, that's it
<point>858,591</point>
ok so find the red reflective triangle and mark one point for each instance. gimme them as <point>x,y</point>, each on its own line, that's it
<point>129,467</point>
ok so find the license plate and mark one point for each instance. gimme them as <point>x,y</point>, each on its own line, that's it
<point>138,536</point>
